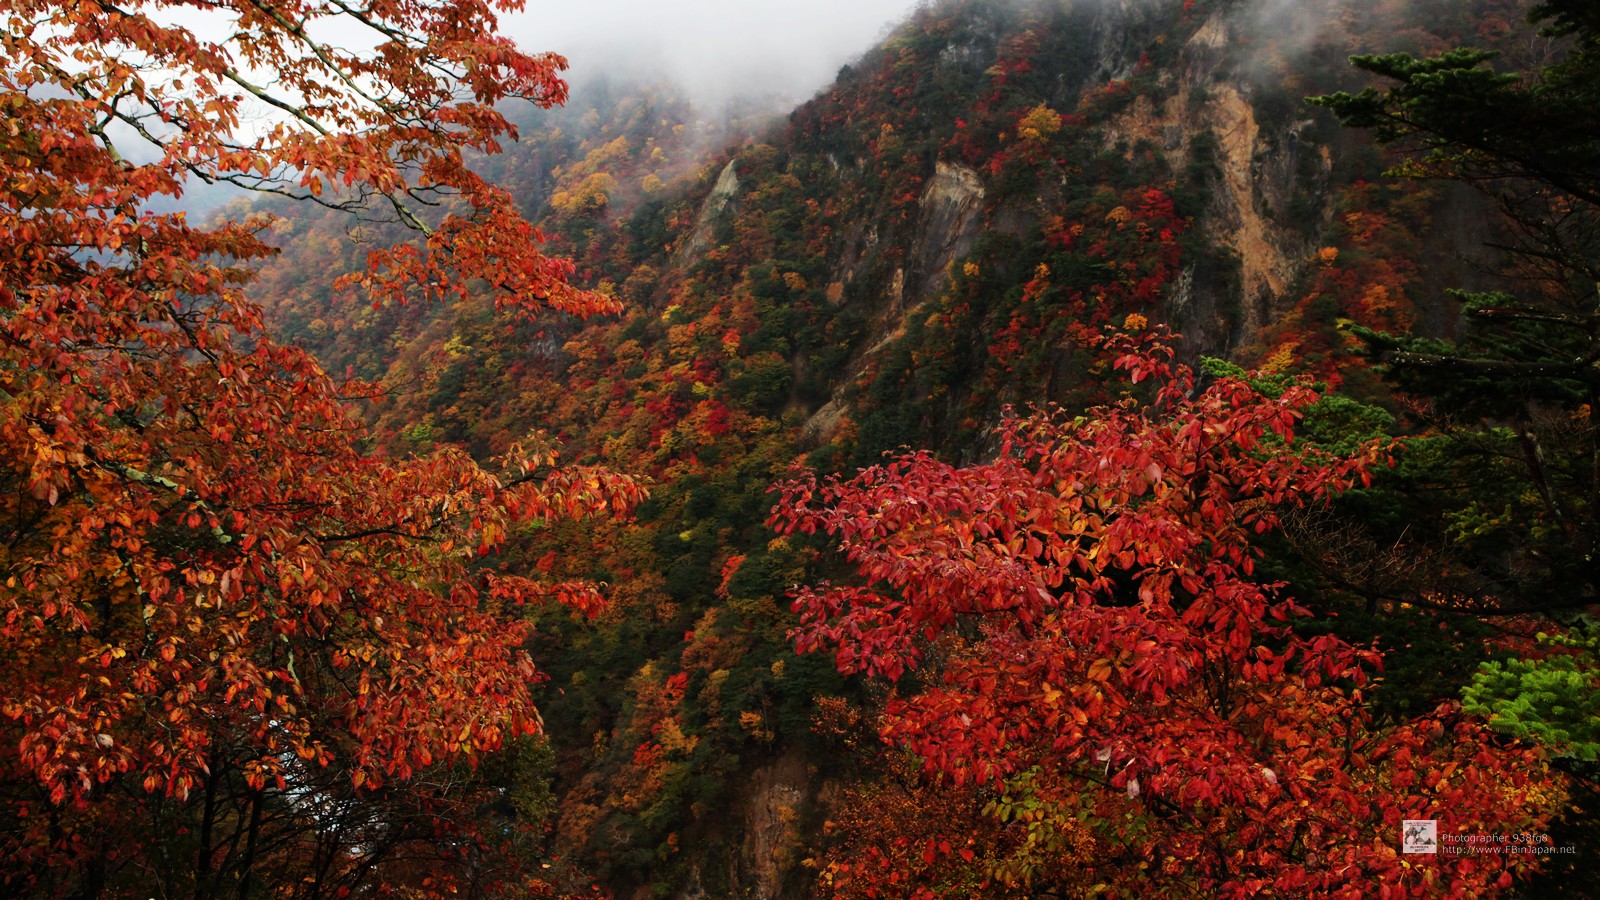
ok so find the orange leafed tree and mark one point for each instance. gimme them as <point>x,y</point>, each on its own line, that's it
<point>221,618</point>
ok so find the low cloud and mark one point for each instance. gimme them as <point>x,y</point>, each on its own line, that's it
<point>717,50</point>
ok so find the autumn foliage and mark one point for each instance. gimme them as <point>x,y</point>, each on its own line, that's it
<point>224,621</point>
<point>1092,644</point>
<point>252,644</point>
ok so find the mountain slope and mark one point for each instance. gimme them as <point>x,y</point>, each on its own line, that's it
<point>943,232</point>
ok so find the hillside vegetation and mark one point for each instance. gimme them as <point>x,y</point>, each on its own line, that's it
<point>1058,459</point>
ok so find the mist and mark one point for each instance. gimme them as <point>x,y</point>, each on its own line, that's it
<point>717,51</point>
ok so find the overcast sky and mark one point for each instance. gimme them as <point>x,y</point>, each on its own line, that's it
<point>716,49</point>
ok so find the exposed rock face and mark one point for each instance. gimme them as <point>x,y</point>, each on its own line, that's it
<point>1237,217</point>
<point>950,208</point>
<point>1258,169</point>
<point>769,818</point>
<point>722,194</point>
<point>772,826</point>
<point>951,217</point>
<point>1120,30</point>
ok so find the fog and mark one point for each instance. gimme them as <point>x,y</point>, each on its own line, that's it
<point>717,50</point>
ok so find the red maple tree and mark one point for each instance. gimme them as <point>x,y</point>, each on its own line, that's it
<point>220,617</point>
<point>1093,648</point>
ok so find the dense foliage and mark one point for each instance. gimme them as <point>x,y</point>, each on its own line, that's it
<point>231,634</point>
<point>944,231</point>
<point>1205,633</point>
<point>1100,653</point>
